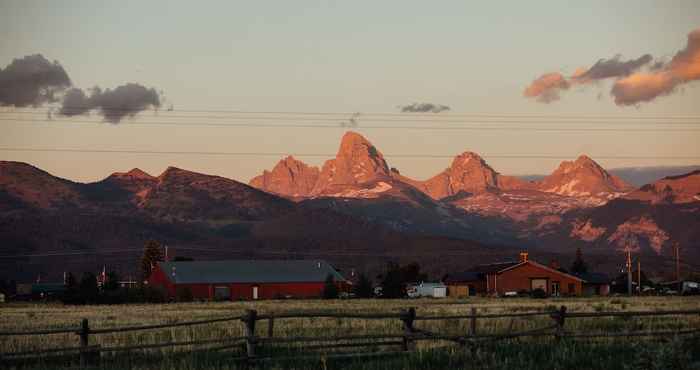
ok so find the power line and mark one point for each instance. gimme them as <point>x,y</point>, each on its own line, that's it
<point>261,154</point>
<point>405,118</point>
<point>340,126</point>
<point>385,114</point>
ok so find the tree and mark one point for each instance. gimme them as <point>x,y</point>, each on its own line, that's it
<point>579,266</point>
<point>89,292</point>
<point>330,290</point>
<point>152,254</point>
<point>111,282</point>
<point>363,288</point>
<point>71,295</point>
<point>396,277</point>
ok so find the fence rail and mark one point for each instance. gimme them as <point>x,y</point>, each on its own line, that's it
<point>252,343</point>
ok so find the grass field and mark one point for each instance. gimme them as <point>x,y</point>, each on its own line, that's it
<point>531,353</point>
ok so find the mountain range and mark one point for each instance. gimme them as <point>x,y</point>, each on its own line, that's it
<point>355,211</point>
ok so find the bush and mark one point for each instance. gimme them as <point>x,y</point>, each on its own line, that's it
<point>539,293</point>
<point>184,294</point>
<point>330,290</point>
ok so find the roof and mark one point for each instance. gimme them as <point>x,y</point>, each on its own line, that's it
<point>428,285</point>
<point>493,267</point>
<point>248,271</point>
<point>595,278</point>
<point>539,265</point>
<point>464,276</point>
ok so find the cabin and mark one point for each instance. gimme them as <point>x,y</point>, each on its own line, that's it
<point>508,278</point>
<point>423,289</point>
<point>244,279</point>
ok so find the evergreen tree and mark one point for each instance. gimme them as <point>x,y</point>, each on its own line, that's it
<point>579,266</point>
<point>330,290</point>
<point>152,254</point>
<point>396,277</point>
<point>363,288</point>
<point>111,282</point>
<point>71,295</point>
<point>89,292</point>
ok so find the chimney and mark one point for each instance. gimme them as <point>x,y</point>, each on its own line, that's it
<point>523,256</point>
<point>553,263</point>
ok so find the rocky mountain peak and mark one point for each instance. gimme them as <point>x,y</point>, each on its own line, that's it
<point>134,174</point>
<point>357,162</point>
<point>290,177</point>
<point>583,177</point>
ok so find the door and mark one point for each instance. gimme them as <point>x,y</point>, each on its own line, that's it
<point>222,293</point>
<point>555,289</point>
<point>538,284</point>
<point>255,292</point>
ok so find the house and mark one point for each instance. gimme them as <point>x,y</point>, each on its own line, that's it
<point>465,284</point>
<point>595,283</point>
<point>524,275</point>
<point>423,289</point>
<point>244,279</point>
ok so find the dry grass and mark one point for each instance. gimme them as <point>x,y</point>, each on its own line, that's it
<point>21,317</point>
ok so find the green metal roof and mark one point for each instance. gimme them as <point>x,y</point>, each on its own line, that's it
<point>248,271</point>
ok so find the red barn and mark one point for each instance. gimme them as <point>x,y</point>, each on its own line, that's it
<point>245,279</point>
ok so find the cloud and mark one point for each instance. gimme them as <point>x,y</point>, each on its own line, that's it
<point>613,67</point>
<point>32,81</point>
<point>636,80</point>
<point>547,87</point>
<point>113,105</point>
<point>683,68</point>
<point>424,108</point>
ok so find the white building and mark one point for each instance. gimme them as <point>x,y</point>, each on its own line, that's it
<point>423,289</point>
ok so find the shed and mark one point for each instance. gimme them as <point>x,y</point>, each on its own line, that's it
<point>423,289</point>
<point>595,283</point>
<point>245,279</point>
<point>465,284</point>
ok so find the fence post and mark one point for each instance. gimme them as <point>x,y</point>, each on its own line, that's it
<point>408,316</point>
<point>270,326</point>
<point>561,316</point>
<point>84,335</point>
<point>251,316</point>
<point>472,326</point>
<point>472,331</point>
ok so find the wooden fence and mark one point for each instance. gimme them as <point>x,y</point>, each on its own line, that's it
<point>404,342</point>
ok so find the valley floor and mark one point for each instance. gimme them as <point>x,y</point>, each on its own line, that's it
<point>530,353</point>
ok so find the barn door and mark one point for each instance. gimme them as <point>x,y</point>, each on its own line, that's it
<point>255,292</point>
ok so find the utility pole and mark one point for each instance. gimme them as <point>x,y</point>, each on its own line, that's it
<point>166,253</point>
<point>639,276</point>
<point>677,252</point>
<point>629,270</point>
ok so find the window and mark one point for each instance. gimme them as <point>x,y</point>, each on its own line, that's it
<point>572,288</point>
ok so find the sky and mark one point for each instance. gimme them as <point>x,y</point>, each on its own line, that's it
<point>342,57</point>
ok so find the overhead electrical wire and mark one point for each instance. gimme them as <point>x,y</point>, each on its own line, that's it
<point>215,153</point>
<point>339,124</point>
<point>370,114</point>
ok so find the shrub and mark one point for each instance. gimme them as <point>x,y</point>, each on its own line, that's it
<point>539,293</point>
<point>184,294</point>
<point>330,290</point>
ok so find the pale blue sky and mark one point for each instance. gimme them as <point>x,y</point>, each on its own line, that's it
<point>332,56</point>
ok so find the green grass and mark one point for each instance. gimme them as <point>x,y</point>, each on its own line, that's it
<point>531,353</point>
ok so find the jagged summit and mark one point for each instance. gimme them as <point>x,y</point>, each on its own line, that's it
<point>468,173</point>
<point>135,173</point>
<point>357,162</point>
<point>583,177</point>
<point>289,177</point>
